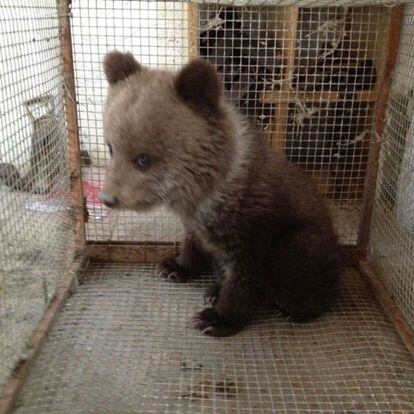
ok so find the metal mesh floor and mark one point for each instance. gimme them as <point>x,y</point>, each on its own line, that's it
<point>121,346</point>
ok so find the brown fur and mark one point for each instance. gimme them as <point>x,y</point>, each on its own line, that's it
<point>254,217</point>
<point>118,66</point>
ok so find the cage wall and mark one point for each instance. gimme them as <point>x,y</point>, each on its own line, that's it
<point>307,77</point>
<point>157,33</point>
<point>392,233</point>
<point>36,219</point>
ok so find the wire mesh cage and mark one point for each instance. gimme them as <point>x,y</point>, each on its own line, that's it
<point>308,79</point>
<point>36,218</point>
<point>331,88</point>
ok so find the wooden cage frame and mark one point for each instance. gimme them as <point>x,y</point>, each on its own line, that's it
<point>152,252</point>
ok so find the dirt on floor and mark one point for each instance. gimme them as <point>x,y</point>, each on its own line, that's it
<point>37,248</point>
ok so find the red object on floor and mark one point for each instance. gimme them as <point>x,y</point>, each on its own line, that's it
<point>91,190</point>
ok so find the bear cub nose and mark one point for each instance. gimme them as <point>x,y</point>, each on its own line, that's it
<point>108,199</point>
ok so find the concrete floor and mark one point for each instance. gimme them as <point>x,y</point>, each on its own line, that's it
<point>122,345</point>
<point>36,249</point>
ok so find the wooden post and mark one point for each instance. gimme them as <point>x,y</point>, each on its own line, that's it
<point>384,86</point>
<point>192,30</point>
<point>74,157</point>
<point>282,109</point>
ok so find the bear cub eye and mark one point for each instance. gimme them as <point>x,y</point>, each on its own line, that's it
<point>143,161</point>
<point>111,153</point>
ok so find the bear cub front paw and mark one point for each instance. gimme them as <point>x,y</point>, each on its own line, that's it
<point>212,294</point>
<point>171,270</point>
<point>209,322</point>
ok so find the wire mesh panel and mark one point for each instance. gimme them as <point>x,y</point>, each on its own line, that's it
<point>35,218</point>
<point>392,233</point>
<point>306,77</point>
<point>157,33</point>
<point>122,345</point>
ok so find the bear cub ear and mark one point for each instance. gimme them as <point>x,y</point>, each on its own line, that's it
<point>199,86</point>
<point>119,66</point>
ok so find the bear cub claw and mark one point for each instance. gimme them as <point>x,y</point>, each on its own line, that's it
<point>209,323</point>
<point>171,270</point>
<point>212,294</point>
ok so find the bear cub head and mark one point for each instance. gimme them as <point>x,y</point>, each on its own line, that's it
<point>170,135</point>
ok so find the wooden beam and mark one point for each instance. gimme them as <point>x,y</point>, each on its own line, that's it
<point>71,121</point>
<point>154,253</point>
<point>391,48</point>
<point>129,253</point>
<point>274,97</point>
<point>289,50</point>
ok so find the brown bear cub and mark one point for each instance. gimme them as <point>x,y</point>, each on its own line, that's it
<point>253,218</point>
